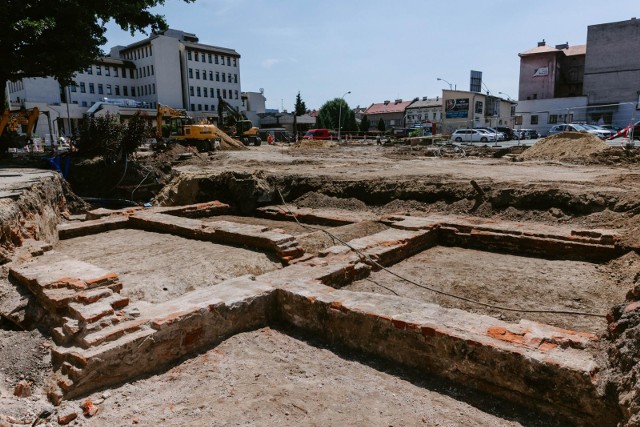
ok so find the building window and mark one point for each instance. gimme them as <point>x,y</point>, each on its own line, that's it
<point>229,78</point>
<point>236,94</point>
<point>235,78</point>
<point>202,57</point>
<point>553,119</point>
<point>195,55</point>
<point>210,59</point>
<point>534,119</point>
<point>198,74</point>
<point>199,91</point>
<point>107,70</point>
<point>90,69</point>
<point>133,91</point>
<point>206,107</point>
<point>216,57</point>
<point>131,73</point>
<point>224,93</point>
<point>193,107</point>
<point>84,103</point>
<point>218,91</point>
<point>190,73</point>
<point>117,90</point>
<point>191,91</point>
<point>223,77</point>
<point>228,60</point>
<point>212,93</point>
<point>82,88</point>
<point>213,108</point>
<point>153,86</point>
<point>125,90</point>
<point>211,75</point>
<point>150,50</point>
<point>235,62</point>
<point>189,57</point>
<point>100,89</point>
<point>152,72</point>
<point>115,71</point>
<point>199,107</point>
<point>217,76</point>
<point>108,89</point>
<point>92,88</point>
<point>98,70</point>
<point>204,75</point>
<point>74,88</point>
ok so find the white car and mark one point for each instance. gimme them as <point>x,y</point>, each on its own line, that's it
<point>472,135</point>
<point>500,135</point>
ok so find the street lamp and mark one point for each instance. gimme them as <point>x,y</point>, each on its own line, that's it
<point>340,113</point>
<point>450,86</point>
<point>508,97</point>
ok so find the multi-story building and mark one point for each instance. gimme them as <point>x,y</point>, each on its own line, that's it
<point>467,109</point>
<point>424,110</point>
<point>595,83</point>
<point>391,113</point>
<point>171,68</point>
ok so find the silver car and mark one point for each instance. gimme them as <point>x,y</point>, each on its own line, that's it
<point>472,135</point>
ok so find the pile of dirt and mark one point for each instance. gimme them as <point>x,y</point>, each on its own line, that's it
<point>316,200</point>
<point>566,145</point>
<point>314,143</point>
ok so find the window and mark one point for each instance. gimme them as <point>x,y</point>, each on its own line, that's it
<point>131,73</point>
<point>108,89</point>
<point>235,62</point>
<point>74,88</point>
<point>212,93</point>
<point>115,71</point>
<point>98,70</point>
<point>198,74</point>
<point>205,92</point>
<point>199,107</point>
<point>204,75</point>
<point>223,77</point>
<point>117,90</point>
<point>202,57</point>
<point>193,107</point>
<point>213,108</point>
<point>75,102</point>
<point>100,89</point>
<point>152,72</point>
<point>218,91</point>
<point>235,78</point>
<point>107,70</point>
<point>90,69</point>
<point>150,50</point>
<point>224,93</point>
<point>228,60</point>
<point>210,58</point>
<point>133,91</point>
<point>217,76</point>
<point>236,92</point>
<point>189,57</point>
<point>534,119</point>
<point>195,54</point>
<point>92,88</point>
<point>82,88</point>
<point>84,103</point>
<point>216,57</point>
<point>229,78</point>
<point>125,90</point>
<point>190,73</point>
<point>211,75</point>
<point>199,91</point>
<point>153,86</point>
<point>191,91</point>
<point>553,119</point>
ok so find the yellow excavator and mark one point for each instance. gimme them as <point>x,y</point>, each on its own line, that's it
<point>11,121</point>
<point>183,129</point>
<point>243,129</point>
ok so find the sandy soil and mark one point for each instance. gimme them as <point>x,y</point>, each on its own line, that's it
<point>505,280</point>
<point>267,378</point>
<point>157,267</point>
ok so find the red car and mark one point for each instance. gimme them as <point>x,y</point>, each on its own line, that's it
<point>317,134</point>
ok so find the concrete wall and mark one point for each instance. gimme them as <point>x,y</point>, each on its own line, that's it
<point>545,108</point>
<point>168,72</point>
<point>612,68</point>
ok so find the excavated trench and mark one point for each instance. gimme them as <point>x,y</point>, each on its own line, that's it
<point>558,275</point>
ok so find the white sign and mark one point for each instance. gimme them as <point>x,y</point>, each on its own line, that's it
<point>541,72</point>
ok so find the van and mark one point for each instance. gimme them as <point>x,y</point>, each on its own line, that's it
<point>317,134</point>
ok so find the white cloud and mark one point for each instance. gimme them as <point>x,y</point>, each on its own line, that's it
<point>270,62</point>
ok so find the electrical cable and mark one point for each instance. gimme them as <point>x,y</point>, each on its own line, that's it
<point>371,261</point>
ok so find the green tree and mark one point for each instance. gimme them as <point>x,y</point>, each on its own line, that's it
<point>381,126</point>
<point>135,133</point>
<point>300,107</point>
<point>331,110</point>
<point>101,136</point>
<point>42,38</point>
<point>365,124</point>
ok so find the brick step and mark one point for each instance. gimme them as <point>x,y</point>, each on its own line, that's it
<point>111,333</point>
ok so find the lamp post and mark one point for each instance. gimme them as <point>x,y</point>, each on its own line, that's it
<point>340,113</point>
<point>450,86</point>
<point>508,97</point>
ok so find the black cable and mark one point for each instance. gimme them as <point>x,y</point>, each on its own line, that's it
<point>368,259</point>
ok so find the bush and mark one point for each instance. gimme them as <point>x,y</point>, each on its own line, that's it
<point>106,136</point>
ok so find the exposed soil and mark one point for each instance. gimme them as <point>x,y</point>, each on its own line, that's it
<point>565,145</point>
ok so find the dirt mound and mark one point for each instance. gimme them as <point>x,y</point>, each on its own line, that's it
<point>314,143</point>
<point>318,200</point>
<point>566,145</point>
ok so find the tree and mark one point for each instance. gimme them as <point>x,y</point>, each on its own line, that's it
<point>57,38</point>
<point>331,110</point>
<point>365,124</point>
<point>381,126</point>
<point>300,107</point>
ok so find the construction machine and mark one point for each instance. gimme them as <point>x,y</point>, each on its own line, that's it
<point>11,121</point>
<point>183,129</point>
<point>243,129</point>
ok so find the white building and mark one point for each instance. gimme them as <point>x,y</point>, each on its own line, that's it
<point>171,68</point>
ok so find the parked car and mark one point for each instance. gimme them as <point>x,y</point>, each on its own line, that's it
<point>508,132</point>
<point>526,134</point>
<point>576,127</point>
<point>499,135</point>
<point>472,135</point>
<point>601,132</point>
<point>317,134</point>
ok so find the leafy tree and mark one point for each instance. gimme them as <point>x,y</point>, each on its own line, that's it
<point>331,110</point>
<point>41,38</point>
<point>134,134</point>
<point>300,107</point>
<point>381,126</point>
<point>365,124</point>
<point>101,136</point>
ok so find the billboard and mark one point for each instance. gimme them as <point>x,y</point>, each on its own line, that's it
<point>457,108</point>
<point>475,81</point>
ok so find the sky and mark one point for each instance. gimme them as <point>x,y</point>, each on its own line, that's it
<point>380,49</point>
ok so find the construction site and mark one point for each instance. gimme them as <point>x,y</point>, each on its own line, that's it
<point>325,284</point>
